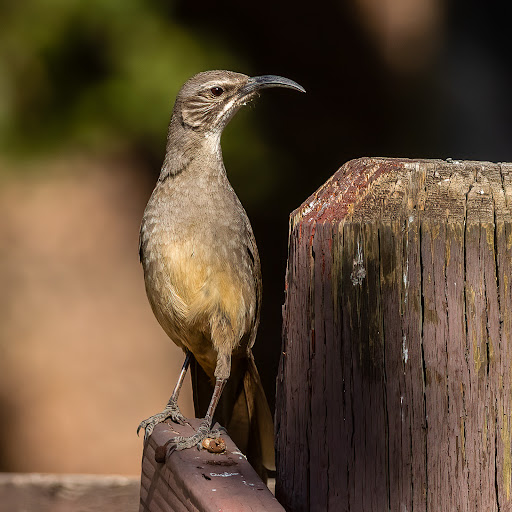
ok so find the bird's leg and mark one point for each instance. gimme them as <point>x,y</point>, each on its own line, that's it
<point>171,409</point>
<point>222,372</point>
<point>204,430</point>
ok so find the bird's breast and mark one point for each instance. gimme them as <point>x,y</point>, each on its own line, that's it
<point>199,285</point>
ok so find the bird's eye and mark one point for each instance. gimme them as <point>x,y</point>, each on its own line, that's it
<point>216,91</point>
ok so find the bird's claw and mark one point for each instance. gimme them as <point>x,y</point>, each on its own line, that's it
<point>180,419</point>
<point>171,412</point>
<point>148,426</point>
<point>202,433</point>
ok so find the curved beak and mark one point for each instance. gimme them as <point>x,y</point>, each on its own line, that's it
<point>255,83</point>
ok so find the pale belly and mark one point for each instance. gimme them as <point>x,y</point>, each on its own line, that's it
<point>204,303</point>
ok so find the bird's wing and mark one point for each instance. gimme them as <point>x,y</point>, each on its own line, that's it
<point>255,266</point>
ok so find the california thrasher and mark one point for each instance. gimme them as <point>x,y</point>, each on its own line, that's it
<point>202,269</point>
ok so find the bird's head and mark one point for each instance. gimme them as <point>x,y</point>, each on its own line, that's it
<point>209,100</point>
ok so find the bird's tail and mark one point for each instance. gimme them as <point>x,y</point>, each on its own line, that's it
<point>243,409</point>
<point>262,425</point>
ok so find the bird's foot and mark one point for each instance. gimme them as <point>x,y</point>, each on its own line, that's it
<point>171,411</point>
<point>203,432</point>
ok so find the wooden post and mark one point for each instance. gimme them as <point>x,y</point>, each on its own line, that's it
<point>395,383</point>
<point>198,481</point>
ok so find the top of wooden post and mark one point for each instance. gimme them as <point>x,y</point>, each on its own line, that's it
<point>367,189</point>
<point>395,382</point>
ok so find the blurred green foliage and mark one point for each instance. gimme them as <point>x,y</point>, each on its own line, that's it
<point>103,73</point>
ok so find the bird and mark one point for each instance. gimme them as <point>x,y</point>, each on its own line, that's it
<point>202,270</point>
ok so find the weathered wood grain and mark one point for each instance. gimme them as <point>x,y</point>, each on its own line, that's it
<point>395,382</point>
<point>198,481</point>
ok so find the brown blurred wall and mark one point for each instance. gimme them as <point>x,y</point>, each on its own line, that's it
<point>82,359</point>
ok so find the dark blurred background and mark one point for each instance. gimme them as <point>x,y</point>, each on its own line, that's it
<point>86,92</point>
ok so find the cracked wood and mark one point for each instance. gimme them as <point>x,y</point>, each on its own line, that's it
<point>394,387</point>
